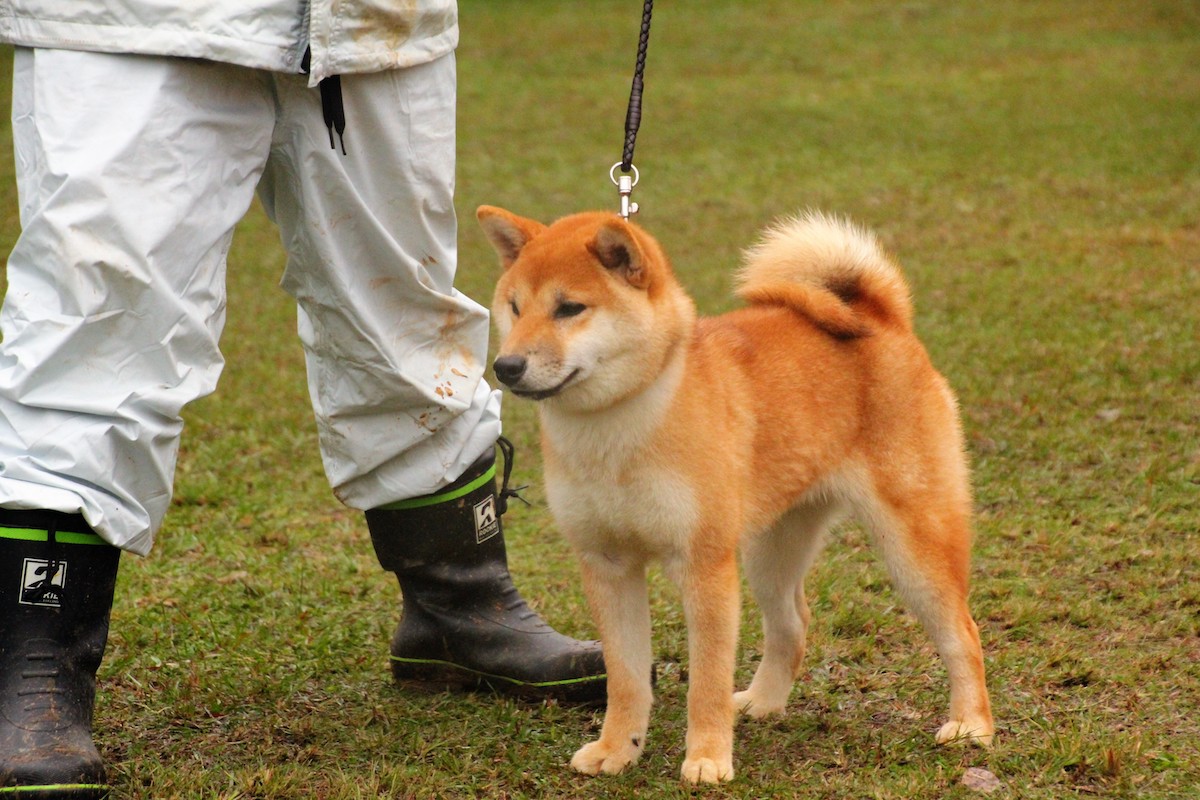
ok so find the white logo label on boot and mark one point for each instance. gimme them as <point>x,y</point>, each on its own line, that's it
<point>487,524</point>
<point>42,582</point>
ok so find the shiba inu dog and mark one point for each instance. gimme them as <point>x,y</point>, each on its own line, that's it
<point>690,440</point>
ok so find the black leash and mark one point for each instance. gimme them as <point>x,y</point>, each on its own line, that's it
<point>633,117</point>
<point>633,120</point>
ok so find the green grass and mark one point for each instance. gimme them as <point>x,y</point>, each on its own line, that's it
<point>1034,166</point>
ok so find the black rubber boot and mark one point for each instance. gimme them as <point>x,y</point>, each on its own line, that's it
<point>464,625</point>
<point>56,590</point>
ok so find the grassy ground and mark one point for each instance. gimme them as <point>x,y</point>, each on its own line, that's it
<point>1033,165</point>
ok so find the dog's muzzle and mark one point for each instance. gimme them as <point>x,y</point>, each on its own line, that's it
<point>511,369</point>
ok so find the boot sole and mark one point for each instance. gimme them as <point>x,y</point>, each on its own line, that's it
<point>438,676</point>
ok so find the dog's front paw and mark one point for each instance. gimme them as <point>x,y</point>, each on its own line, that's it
<point>707,770</point>
<point>753,705</point>
<point>601,756</point>
<point>974,730</point>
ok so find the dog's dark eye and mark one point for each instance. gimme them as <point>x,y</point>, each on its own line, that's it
<point>516,312</point>
<point>568,309</point>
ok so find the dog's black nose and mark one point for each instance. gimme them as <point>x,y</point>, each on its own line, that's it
<point>509,369</point>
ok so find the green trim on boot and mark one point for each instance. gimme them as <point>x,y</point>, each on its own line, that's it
<point>416,667</point>
<point>57,791</point>
<point>445,496</point>
<point>62,537</point>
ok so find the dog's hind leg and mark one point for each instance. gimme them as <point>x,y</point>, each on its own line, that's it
<point>775,562</point>
<point>926,545</point>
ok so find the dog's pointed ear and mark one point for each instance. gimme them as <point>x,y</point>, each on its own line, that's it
<point>507,232</point>
<point>617,249</point>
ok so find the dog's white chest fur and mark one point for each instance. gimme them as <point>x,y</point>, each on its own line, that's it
<point>606,487</point>
<point>652,509</point>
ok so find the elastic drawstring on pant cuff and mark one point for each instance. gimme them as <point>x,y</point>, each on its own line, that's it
<point>507,492</point>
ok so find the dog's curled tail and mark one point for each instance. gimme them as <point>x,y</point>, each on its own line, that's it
<point>831,271</point>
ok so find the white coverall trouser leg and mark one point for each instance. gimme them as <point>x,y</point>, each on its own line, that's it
<point>132,173</point>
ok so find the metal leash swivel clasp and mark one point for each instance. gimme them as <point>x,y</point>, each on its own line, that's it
<point>625,184</point>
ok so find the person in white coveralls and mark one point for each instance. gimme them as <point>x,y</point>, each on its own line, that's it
<point>142,129</point>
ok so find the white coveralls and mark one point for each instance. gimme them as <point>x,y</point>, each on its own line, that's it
<point>141,133</point>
